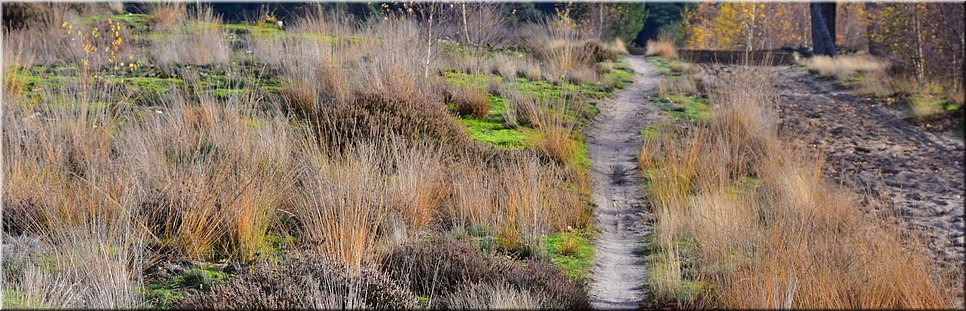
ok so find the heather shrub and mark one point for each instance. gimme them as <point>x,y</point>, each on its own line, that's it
<point>378,116</point>
<point>544,279</point>
<point>440,265</point>
<point>304,282</point>
<point>491,297</point>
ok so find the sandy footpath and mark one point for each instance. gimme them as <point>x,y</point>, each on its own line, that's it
<point>613,142</point>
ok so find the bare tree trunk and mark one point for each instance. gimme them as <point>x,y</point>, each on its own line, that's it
<point>823,41</point>
<point>429,39</point>
<point>917,31</point>
<point>765,36</point>
<point>750,29</point>
<point>466,30</point>
<point>600,21</point>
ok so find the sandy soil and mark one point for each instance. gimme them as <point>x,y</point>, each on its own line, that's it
<point>871,149</point>
<point>613,142</point>
<point>896,167</point>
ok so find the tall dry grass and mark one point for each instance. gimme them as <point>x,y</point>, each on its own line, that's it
<point>82,210</point>
<point>164,16</point>
<point>744,221</point>
<point>844,67</point>
<point>663,48</point>
<point>111,187</point>
<point>198,40</point>
<point>568,52</point>
<point>682,86</point>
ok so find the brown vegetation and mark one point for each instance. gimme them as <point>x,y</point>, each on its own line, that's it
<point>334,139</point>
<point>744,221</point>
<point>663,48</point>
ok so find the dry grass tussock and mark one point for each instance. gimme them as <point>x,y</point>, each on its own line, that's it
<point>683,86</point>
<point>198,40</point>
<point>569,54</point>
<point>745,221</point>
<point>662,48</point>
<point>164,16</point>
<point>844,67</point>
<point>173,171</point>
<point>469,99</point>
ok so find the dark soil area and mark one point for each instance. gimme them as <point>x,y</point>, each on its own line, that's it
<point>874,150</point>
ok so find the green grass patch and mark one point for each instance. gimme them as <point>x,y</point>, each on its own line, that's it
<point>660,64</point>
<point>573,252</point>
<point>15,299</point>
<point>199,278</point>
<point>494,132</point>
<point>924,106</point>
<point>253,29</point>
<point>654,130</point>
<point>461,79</point>
<point>581,158</point>
<point>685,107</point>
<point>159,296</point>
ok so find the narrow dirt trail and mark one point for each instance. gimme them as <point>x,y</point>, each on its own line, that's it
<point>613,141</point>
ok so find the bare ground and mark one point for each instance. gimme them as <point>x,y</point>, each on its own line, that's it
<point>898,167</point>
<point>613,141</point>
<point>873,150</point>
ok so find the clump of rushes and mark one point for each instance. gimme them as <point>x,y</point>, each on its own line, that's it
<point>561,46</point>
<point>164,16</point>
<point>730,185</point>
<point>568,246</point>
<point>299,97</point>
<point>519,108</point>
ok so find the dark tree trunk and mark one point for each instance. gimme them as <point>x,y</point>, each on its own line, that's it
<point>828,13</point>
<point>823,39</point>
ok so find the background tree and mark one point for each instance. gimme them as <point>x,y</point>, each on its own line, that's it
<point>629,20</point>
<point>662,16</point>
<point>823,28</point>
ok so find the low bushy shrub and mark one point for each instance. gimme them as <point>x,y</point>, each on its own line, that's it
<point>304,282</point>
<point>441,265</point>
<point>377,116</point>
<point>544,279</point>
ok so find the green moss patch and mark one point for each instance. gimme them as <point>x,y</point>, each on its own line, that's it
<point>924,106</point>
<point>494,132</point>
<point>201,277</point>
